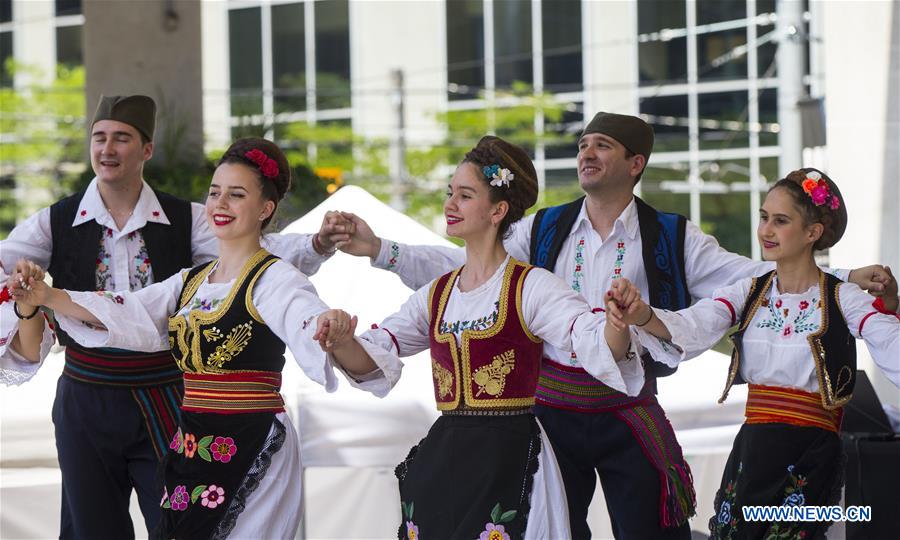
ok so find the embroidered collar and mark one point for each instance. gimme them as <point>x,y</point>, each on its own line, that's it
<point>627,220</point>
<point>147,210</point>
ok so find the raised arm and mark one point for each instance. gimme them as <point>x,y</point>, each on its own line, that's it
<point>708,266</point>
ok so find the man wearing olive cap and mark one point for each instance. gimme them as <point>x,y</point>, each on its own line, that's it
<point>115,411</point>
<point>590,242</point>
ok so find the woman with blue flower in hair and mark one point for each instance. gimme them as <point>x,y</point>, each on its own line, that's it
<point>486,469</point>
<point>794,346</point>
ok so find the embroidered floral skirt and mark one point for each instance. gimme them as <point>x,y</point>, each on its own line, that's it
<point>477,477</point>
<point>778,465</point>
<point>214,464</point>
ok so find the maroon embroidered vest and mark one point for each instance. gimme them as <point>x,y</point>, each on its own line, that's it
<point>495,368</point>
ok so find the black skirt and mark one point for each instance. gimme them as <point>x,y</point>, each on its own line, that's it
<point>470,475</point>
<point>778,465</point>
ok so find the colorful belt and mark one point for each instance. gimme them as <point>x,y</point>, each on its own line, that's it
<point>573,388</point>
<point>113,367</point>
<point>771,404</point>
<point>233,393</point>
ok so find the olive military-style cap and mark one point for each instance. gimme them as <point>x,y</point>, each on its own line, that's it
<point>634,134</point>
<point>137,111</point>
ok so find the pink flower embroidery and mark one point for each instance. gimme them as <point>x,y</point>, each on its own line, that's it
<point>778,303</point>
<point>212,496</point>
<point>412,531</point>
<point>176,440</point>
<point>787,331</point>
<point>494,532</point>
<point>803,305</point>
<point>165,496</point>
<point>179,499</point>
<point>155,213</point>
<point>223,448</point>
<point>83,213</point>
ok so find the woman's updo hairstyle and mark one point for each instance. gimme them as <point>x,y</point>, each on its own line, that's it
<point>819,201</point>
<point>268,161</point>
<point>521,191</point>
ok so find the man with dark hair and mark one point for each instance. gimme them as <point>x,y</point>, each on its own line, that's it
<point>607,234</point>
<point>115,411</point>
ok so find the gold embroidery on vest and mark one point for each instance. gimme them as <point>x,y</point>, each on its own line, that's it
<point>234,343</point>
<point>212,334</point>
<point>443,377</point>
<point>492,377</point>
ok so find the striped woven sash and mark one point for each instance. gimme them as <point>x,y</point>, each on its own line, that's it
<point>573,388</point>
<point>771,404</point>
<point>113,367</point>
<point>233,393</point>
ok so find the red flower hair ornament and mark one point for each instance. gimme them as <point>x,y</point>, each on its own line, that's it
<point>267,166</point>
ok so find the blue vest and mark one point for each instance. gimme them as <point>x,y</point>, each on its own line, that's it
<point>662,240</point>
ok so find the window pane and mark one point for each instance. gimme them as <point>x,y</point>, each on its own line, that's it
<point>562,45</point>
<point>564,133</point>
<point>288,57</point>
<point>653,192</point>
<point>6,52</point>
<point>245,48</point>
<point>723,120</point>
<point>465,48</point>
<point>768,114</point>
<point>512,43</point>
<point>712,11</point>
<point>663,59</point>
<point>332,54</point>
<point>716,55</point>
<point>68,7</point>
<point>669,117</point>
<point>69,47</point>
<point>5,11</point>
<point>727,217</point>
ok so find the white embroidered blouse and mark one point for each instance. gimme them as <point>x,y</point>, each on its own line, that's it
<point>551,311</point>
<point>776,350</point>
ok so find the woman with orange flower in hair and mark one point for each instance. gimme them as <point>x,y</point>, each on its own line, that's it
<point>233,466</point>
<point>794,346</point>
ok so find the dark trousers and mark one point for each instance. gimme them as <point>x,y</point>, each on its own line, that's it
<point>104,451</point>
<point>601,442</point>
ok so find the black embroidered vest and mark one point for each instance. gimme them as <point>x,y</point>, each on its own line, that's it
<point>230,336</point>
<point>73,260</point>
<point>832,347</point>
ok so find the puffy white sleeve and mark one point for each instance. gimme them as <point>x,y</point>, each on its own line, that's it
<point>296,250</point>
<point>418,265</point>
<point>30,240</point>
<point>697,328</point>
<point>14,368</point>
<point>289,305</point>
<point>877,327</point>
<point>136,321</point>
<point>204,245</point>
<point>404,333</point>
<point>562,317</point>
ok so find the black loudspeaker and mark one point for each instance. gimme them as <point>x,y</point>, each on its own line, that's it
<point>873,464</point>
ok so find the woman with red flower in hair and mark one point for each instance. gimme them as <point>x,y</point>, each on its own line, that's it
<point>232,464</point>
<point>794,346</point>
